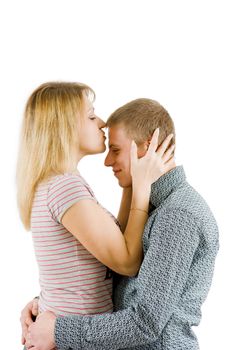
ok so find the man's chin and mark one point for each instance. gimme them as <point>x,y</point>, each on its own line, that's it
<point>124,184</point>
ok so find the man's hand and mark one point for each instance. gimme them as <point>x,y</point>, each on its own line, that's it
<point>29,312</point>
<point>40,334</point>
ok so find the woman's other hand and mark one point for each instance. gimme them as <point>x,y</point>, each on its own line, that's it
<point>28,315</point>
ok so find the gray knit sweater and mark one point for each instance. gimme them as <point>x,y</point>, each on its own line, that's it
<point>157,309</point>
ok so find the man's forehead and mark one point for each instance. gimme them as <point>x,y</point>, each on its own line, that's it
<point>117,135</point>
<point>114,141</point>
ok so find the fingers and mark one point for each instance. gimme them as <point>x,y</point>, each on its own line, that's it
<point>133,152</point>
<point>168,164</point>
<point>28,321</point>
<point>153,143</point>
<point>162,148</point>
<point>35,307</point>
<point>26,317</point>
<point>25,326</point>
<point>24,334</point>
<point>28,341</point>
<point>25,323</point>
<point>168,154</point>
<point>23,340</point>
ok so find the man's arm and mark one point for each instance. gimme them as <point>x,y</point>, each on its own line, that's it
<point>124,209</point>
<point>161,279</point>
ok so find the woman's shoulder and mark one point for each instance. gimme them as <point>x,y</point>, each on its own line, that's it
<point>65,178</point>
<point>66,181</point>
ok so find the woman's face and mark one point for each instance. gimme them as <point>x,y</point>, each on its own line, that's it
<point>91,137</point>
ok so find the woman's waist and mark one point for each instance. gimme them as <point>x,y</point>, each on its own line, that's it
<point>65,302</point>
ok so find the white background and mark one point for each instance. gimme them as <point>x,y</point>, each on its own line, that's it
<point>177,52</point>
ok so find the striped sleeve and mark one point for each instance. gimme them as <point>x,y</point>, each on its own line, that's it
<point>64,192</point>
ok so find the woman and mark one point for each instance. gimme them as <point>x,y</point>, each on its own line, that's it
<point>75,239</point>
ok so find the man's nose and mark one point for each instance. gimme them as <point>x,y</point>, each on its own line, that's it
<point>108,161</point>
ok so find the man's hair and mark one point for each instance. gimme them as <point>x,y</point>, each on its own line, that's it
<point>141,117</point>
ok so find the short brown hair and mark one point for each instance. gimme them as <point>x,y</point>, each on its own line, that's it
<point>141,117</point>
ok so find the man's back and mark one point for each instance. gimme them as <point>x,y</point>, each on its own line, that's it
<point>180,246</point>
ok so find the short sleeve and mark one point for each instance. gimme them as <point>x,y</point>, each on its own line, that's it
<point>64,192</point>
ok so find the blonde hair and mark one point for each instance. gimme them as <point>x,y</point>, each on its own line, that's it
<point>141,117</point>
<point>48,144</point>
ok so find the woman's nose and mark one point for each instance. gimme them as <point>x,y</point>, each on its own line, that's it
<point>102,124</point>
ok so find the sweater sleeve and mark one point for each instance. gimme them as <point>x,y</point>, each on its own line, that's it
<point>174,238</point>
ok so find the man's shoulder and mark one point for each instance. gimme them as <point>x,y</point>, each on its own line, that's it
<point>186,201</point>
<point>184,205</point>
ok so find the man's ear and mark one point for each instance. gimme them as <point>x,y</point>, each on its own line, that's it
<point>147,144</point>
<point>142,148</point>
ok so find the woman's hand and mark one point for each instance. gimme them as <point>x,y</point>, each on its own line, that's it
<point>155,163</point>
<point>28,314</point>
<point>40,334</point>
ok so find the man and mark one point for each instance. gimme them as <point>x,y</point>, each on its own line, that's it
<point>157,308</point>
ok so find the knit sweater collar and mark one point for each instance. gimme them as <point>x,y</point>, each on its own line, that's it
<point>165,185</point>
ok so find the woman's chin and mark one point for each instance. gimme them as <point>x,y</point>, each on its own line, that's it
<point>103,149</point>
<point>99,150</point>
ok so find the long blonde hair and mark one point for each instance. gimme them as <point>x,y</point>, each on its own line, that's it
<point>49,138</point>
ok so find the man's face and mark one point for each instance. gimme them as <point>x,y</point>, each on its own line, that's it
<point>118,156</point>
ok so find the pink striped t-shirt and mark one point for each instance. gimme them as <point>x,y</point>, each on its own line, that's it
<point>72,280</point>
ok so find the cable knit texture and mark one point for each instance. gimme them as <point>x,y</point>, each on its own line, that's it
<point>157,309</point>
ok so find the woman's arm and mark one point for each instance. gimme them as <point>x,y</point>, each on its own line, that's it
<point>99,234</point>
